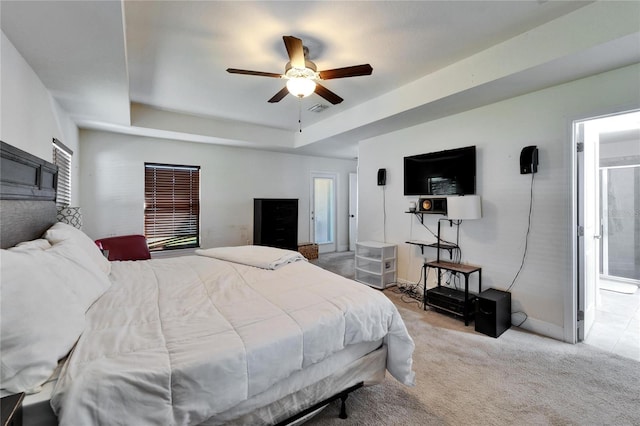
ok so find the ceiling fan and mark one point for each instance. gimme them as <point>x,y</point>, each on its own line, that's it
<point>302,75</point>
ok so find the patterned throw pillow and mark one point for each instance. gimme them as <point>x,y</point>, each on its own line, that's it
<point>70,215</point>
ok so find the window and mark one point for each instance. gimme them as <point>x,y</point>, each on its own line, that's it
<point>62,158</point>
<point>171,206</point>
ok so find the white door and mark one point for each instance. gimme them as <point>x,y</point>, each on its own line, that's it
<point>323,211</point>
<point>353,210</point>
<point>588,224</point>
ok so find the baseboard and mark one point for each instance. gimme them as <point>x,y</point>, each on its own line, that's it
<point>543,328</point>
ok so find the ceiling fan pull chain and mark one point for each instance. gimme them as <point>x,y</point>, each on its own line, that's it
<point>300,113</point>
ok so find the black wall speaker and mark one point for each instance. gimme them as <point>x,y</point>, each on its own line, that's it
<point>382,177</point>
<point>529,160</point>
<point>432,205</point>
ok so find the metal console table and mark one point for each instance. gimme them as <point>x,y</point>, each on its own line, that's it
<point>454,301</point>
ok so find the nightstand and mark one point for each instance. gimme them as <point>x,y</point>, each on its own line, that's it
<point>12,409</point>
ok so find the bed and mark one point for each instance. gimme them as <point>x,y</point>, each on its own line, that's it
<point>237,335</point>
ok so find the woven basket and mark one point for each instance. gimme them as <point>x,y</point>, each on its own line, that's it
<point>308,250</point>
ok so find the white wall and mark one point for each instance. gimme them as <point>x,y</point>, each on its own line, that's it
<point>29,116</point>
<point>496,242</point>
<point>112,194</point>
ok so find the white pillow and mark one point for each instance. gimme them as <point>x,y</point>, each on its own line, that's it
<point>40,244</point>
<point>44,297</point>
<point>77,271</point>
<point>61,231</point>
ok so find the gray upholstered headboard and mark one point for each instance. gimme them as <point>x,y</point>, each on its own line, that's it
<point>27,195</point>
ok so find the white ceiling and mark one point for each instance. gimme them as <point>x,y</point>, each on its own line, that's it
<point>158,67</point>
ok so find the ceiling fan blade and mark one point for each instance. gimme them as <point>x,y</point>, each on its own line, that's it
<point>295,51</point>
<point>354,71</point>
<point>258,73</point>
<point>328,94</point>
<point>278,96</point>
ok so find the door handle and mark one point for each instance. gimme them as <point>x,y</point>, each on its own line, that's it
<point>596,237</point>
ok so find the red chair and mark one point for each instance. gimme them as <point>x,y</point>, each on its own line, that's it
<point>125,247</point>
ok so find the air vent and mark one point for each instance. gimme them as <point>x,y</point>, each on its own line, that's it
<point>318,108</point>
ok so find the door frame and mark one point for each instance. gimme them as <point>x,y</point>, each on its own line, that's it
<point>573,297</point>
<point>589,225</point>
<point>571,318</point>
<point>353,210</point>
<point>585,275</point>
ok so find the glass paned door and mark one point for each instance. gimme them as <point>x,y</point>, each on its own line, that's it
<point>323,208</point>
<point>323,211</point>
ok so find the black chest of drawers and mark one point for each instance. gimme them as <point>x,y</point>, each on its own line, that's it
<point>275,222</point>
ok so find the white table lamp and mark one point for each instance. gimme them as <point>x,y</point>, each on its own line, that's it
<point>464,207</point>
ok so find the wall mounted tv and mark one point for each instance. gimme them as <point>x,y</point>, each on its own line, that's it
<point>450,172</point>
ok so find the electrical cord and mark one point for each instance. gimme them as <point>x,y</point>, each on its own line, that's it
<point>524,254</point>
<point>410,293</point>
<point>453,280</point>
<point>428,229</point>
<point>384,215</point>
<point>456,249</point>
<point>526,239</point>
<point>450,279</point>
<point>526,317</point>
<point>456,255</point>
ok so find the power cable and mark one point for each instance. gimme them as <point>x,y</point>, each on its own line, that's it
<point>526,240</point>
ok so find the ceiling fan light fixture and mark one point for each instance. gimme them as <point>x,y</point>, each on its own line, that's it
<point>301,86</point>
<point>303,75</point>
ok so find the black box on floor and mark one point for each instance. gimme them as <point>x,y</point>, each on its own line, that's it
<point>493,312</point>
<point>450,300</point>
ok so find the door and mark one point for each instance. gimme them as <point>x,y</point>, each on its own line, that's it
<point>589,231</point>
<point>353,210</point>
<point>323,211</point>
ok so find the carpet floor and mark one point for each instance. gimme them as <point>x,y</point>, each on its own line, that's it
<point>464,377</point>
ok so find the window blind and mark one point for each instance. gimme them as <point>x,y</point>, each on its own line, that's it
<point>172,206</point>
<point>62,158</point>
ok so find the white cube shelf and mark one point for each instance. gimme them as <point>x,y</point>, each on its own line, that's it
<point>376,263</point>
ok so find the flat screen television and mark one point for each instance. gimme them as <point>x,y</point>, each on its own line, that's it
<point>450,172</point>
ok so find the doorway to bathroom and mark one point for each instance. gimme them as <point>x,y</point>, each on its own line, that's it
<point>608,201</point>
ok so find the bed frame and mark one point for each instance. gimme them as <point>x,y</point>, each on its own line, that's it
<point>316,407</point>
<point>28,209</point>
<point>27,195</point>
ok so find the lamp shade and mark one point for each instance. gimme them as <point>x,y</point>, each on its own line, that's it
<point>300,86</point>
<point>464,207</point>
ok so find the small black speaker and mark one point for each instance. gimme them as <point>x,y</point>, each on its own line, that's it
<point>493,312</point>
<point>529,160</point>
<point>382,177</point>
<point>432,205</point>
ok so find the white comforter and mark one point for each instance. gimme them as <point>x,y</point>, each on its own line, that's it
<point>176,341</point>
<point>259,256</point>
